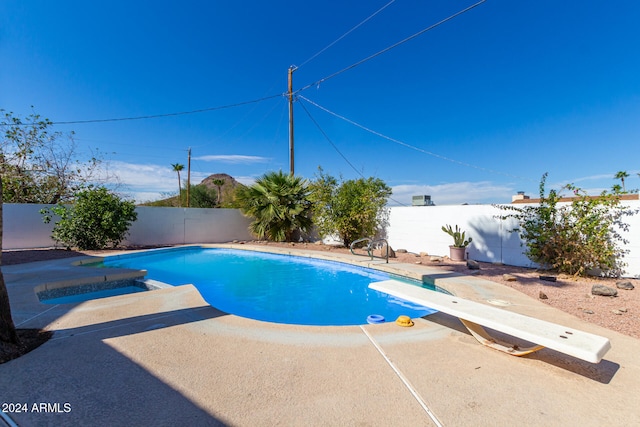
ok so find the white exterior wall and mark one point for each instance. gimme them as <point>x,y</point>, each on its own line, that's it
<point>419,229</point>
<point>23,226</point>
<point>416,229</point>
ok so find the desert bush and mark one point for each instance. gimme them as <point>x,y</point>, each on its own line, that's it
<point>576,237</point>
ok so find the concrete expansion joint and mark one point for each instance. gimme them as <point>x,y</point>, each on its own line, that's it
<point>403,378</point>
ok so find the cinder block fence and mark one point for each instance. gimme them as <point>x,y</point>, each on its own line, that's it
<point>415,228</point>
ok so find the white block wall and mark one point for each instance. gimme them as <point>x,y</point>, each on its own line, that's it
<point>23,226</point>
<point>419,229</point>
<point>416,229</point>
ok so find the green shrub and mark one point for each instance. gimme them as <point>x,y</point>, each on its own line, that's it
<point>573,238</point>
<point>97,219</point>
<point>351,209</point>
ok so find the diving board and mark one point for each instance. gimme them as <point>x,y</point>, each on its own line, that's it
<point>475,317</point>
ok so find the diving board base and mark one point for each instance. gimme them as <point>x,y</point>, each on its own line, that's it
<point>484,338</point>
<point>476,317</point>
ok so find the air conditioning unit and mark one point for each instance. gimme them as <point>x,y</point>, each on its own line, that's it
<point>422,200</point>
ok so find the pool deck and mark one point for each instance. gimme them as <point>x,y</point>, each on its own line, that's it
<point>167,358</point>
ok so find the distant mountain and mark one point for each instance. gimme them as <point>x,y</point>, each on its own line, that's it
<point>229,181</point>
<point>226,190</point>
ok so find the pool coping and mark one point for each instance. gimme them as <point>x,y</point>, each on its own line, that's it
<point>268,373</point>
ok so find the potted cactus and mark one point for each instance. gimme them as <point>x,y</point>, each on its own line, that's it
<point>458,249</point>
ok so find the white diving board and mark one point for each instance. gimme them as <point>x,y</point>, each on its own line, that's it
<point>476,316</point>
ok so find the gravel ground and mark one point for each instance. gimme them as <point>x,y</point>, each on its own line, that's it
<point>567,293</point>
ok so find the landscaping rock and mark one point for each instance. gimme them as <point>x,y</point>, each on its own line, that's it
<point>595,272</point>
<point>625,284</point>
<point>604,291</point>
<point>382,252</point>
<point>542,295</point>
<point>473,265</point>
<point>402,251</point>
<point>548,278</point>
<point>424,254</point>
<point>617,312</point>
<point>435,259</point>
<point>509,277</point>
<point>588,311</point>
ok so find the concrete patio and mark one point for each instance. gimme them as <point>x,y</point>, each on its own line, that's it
<point>168,358</point>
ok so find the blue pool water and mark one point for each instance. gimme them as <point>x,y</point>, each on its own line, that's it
<point>275,288</point>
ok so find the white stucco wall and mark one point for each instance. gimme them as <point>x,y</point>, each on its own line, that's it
<point>419,229</point>
<point>416,229</point>
<point>23,226</point>
<point>168,226</point>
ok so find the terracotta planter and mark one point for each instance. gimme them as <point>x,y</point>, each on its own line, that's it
<point>457,253</point>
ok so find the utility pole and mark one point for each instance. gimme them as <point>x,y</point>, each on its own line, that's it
<point>291,156</point>
<point>189,177</point>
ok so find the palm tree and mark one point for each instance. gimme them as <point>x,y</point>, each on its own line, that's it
<point>177,167</point>
<point>621,176</point>
<point>279,204</point>
<point>218,182</point>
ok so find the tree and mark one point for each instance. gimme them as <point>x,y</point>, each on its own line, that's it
<point>218,183</point>
<point>279,205</point>
<point>202,197</point>
<point>351,209</point>
<point>8,334</point>
<point>39,165</point>
<point>97,219</point>
<point>621,175</point>
<point>177,167</point>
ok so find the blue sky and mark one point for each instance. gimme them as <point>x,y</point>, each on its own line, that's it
<point>471,111</point>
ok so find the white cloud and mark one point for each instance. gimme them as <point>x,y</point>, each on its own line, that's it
<point>232,158</point>
<point>145,182</point>
<point>245,180</point>
<point>592,178</point>
<point>454,193</point>
<point>138,177</point>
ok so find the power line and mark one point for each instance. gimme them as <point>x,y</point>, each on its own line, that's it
<point>329,140</point>
<point>347,33</point>
<point>154,116</point>
<point>404,144</point>
<point>362,61</point>
<point>338,151</point>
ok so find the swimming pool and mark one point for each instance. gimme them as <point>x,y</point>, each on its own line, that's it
<point>275,288</point>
